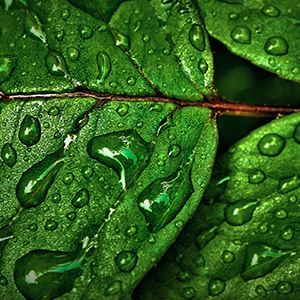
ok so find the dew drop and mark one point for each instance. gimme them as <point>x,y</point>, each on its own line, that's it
<point>276,45</point>
<point>287,234</point>
<point>9,155</point>
<point>122,109</point>
<point>34,27</point>
<point>280,214</point>
<point>60,35</point>
<point>197,37</point>
<point>156,107</point>
<point>297,134</point>
<point>183,276</point>
<point>81,198</point>
<point>203,66</point>
<point>284,287</point>
<point>65,14</point>
<point>50,225</point>
<point>261,291</point>
<point>137,25</point>
<point>126,261</point>
<point>240,212</point>
<point>166,51</point>
<point>122,39</point>
<point>295,70</point>
<point>151,240</point>
<point>131,230</point>
<point>271,144</point>
<point>131,80</point>
<point>179,224</point>
<point>270,11</point>
<point>3,281</point>
<point>30,131</point>
<point>7,66</point>
<point>114,288</point>
<point>293,199</point>
<point>87,172</point>
<point>174,150</point>
<point>272,62</point>
<point>68,178</point>
<point>71,216</point>
<point>150,51</point>
<point>33,227</point>
<point>264,228</point>
<point>33,186</point>
<point>73,53</point>
<point>146,38</point>
<point>139,124</point>
<point>241,35</point>
<point>104,66</point>
<point>233,16</point>
<point>216,287</point>
<point>228,256</point>
<point>189,292</point>
<point>199,261</point>
<point>85,31</point>
<point>53,66</point>
<point>257,177</point>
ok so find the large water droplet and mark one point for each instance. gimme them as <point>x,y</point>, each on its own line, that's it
<point>161,201</point>
<point>174,150</point>
<point>50,225</point>
<point>85,31</point>
<point>114,288</point>
<point>271,144</point>
<point>7,66</point>
<point>216,287</point>
<point>240,212</point>
<point>189,292</point>
<point>30,131</point>
<point>53,66</point>
<point>126,261</point>
<point>124,151</point>
<point>44,274</point>
<point>197,37</point>
<point>284,287</point>
<point>261,291</point>
<point>241,34</point>
<point>257,177</point>
<point>81,198</point>
<point>35,182</point>
<point>203,66</point>
<point>276,45</point>
<point>260,260</point>
<point>122,109</point>
<point>73,53</point>
<point>34,27</point>
<point>9,155</point>
<point>104,66</point>
<point>270,11</point>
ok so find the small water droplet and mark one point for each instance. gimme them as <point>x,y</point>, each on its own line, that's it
<point>271,144</point>
<point>199,261</point>
<point>189,292</point>
<point>30,131</point>
<point>131,230</point>
<point>152,240</point>
<point>270,11</point>
<point>122,39</point>
<point>3,281</point>
<point>9,155</point>
<point>233,15</point>
<point>53,66</point>
<point>293,198</point>
<point>73,53</point>
<point>284,287</point>
<point>183,276</point>
<point>104,66</point>
<point>34,27</point>
<point>59,35</point>
<point>197,37</point>
<point>87,172</point>
<point>241,35</point>
<point>68,178</point>
<point>174,150</point>
<point>276,45</point>
<point>53,111</point>
<point>71,216</point>
<point>156,107</point>
<point>137,25</point>
<point>57,134</point>
<point>65,14</point>
<point>50,225</point>
<point>203,66</point>
<point>81,198</point>
<point>150,51</point>
<point>272,62</point>
<point>139,124</point>
<point>114,288</point>
<point>126,261</point>
<point>295,70</point>
<point>216,287</point>
<point>33,227</point>
<point>287,234</point>
<point>264,228</point>
<point>261,291</point>
<point>7,66</point>
<point>257,177</point>
<point>258,29</point>
<point>122,109</point>
<point>280,213</point>
<point>131,80</point>
<point>166,51</point>
<point>228,256</point>
<point>85,31</point>
<point>179,224</point>
<point>146,38</point>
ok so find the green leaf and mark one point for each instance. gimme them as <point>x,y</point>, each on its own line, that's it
<point>244,238</point>
<point>265,33</point>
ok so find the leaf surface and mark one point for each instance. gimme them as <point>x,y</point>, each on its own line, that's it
<point>243,240</point>
<point>265,33</point>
